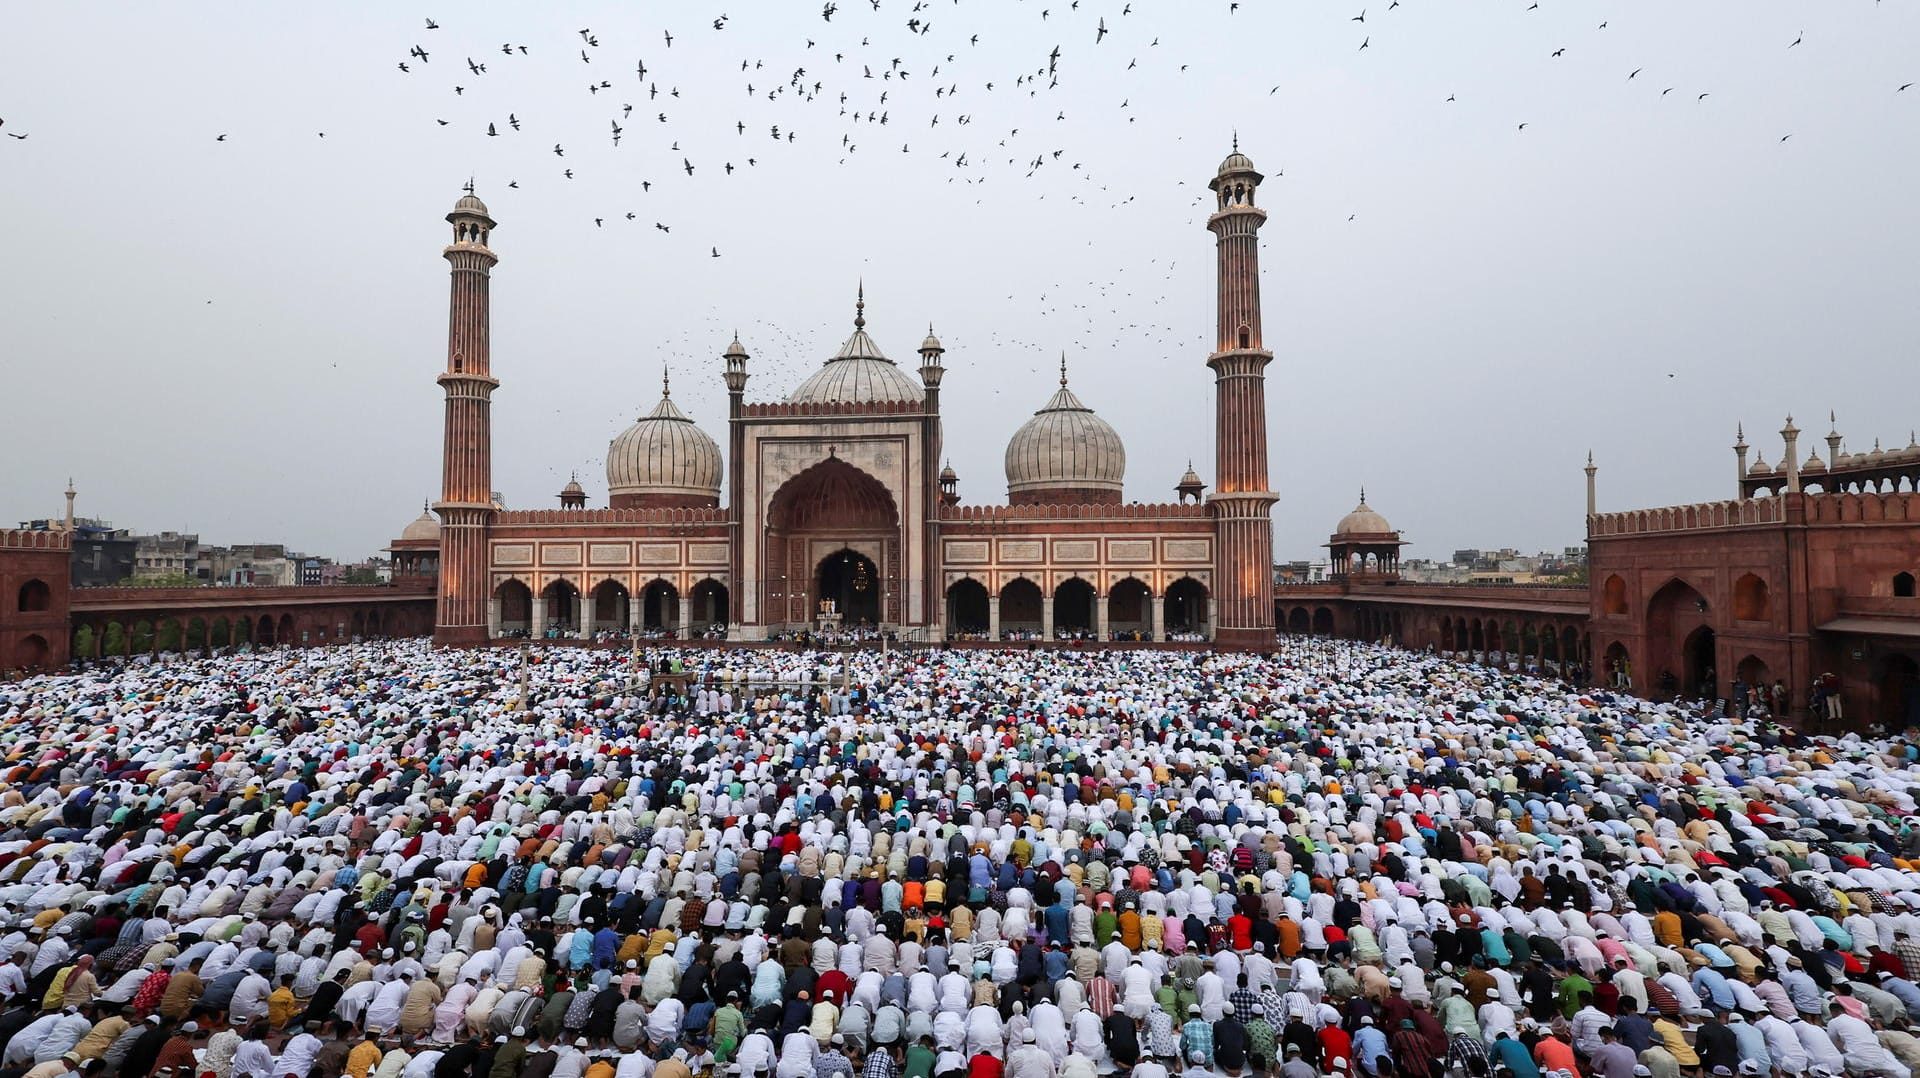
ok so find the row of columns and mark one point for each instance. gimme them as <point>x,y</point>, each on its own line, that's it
<point>1102,624</point>
<point>583,617</point>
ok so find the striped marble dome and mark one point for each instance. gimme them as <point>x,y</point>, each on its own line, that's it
<point>1065,447</point>
<point>664,454</point>
<point>859,372</point>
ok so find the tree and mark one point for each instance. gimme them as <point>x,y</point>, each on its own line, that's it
<point>360,574</point>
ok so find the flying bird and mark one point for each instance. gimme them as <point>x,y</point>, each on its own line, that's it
<point>1798,40</point>
<point>1362,17</point>
<point>716,252</point>
<point>220,138</point>
<point>431,25</point>
<point>1634,72</point>
<point>1363,43</point>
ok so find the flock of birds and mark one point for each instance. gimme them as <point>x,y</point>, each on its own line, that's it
<point>871,77</point>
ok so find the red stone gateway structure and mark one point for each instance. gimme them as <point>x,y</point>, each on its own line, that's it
<point>837,510</point>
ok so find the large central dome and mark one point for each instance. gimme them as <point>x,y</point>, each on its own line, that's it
<point>1065,454</point>
<point>858,373</point>
<point>663,460</point>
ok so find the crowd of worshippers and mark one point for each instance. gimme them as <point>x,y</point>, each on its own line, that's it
<point>1335,861</point>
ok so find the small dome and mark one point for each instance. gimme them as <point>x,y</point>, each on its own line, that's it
<point>948,475</point>
<point>932,343</point>
<point>664,453</point>
<point>1235,162</point>
<point>1065,447</point>
<point>1814,463</point>
<point>858,372</point>
<point>423,528</point>
<point>1759,467</point>
<point>1189,480</point>
<point>573,487</point>
<point>469,203</point>
<point>1363,521</point>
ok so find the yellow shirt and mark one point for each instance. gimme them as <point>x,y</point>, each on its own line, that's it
<point>280,1007</point>
<point>1676,1042</point>
<point>362,1059</point>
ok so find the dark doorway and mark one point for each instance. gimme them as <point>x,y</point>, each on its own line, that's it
<point>1702,677</point>
<point>1900,694</point>
<point>851,580</point>
<point>967,609</point>
<point>1073,606</point>
<point>660,607</point>
<point>1020,607</point>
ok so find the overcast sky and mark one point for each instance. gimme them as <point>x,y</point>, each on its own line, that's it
<point>240,337</point>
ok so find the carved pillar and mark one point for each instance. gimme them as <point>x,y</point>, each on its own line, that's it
<point>538,626</point>
<point>493,617</point>
<point>1046,616</point>
<point>1100,616</point>
<point>1159,604</point>
<point>993,617</point>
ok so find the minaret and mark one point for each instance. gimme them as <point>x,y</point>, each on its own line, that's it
<point>1242,505</point>
<point>746,603</point>
<point>70,497</point>
<point>1790,434</point>
<point>933,486</point>
<point>1740,462</point>
<point>466,477</point>
<point>1592,502</point>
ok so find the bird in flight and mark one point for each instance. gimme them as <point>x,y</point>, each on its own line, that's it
<point>1635,71</point>
<point>1363,43</point>
<point>1362,17</point>
<point>1560,52</point>
<point>688,165</point>
<point>1101,33</point>
<point>220,138</point>
<point>431,25</point>
<point>1522,127</point>
<point>669,34</point>
<point>716,252</point>
<point>1798,40</point>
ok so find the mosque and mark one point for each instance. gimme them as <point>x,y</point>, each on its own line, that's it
<point>829,507</point>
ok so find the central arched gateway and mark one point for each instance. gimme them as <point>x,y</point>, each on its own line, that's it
<point>851,582</point>
<point>833,533</point>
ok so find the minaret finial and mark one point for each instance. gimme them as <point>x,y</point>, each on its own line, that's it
<point>1236,140</point>
<point>1063,368</point>
<point>469,187</point>
<point>666,385</point>
<point>860,306</point>
<point>1363,494</point>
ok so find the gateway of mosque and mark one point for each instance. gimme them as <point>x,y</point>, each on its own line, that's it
<point>829,509</point>
<point>837,512</point>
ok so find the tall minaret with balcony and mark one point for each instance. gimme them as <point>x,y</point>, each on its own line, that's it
<point>1242,505</point>
<point>466,477</point>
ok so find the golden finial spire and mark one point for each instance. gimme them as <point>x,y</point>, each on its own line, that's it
<point>1063,368</point>
<point>860,306</point>
<point>666,385</point>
